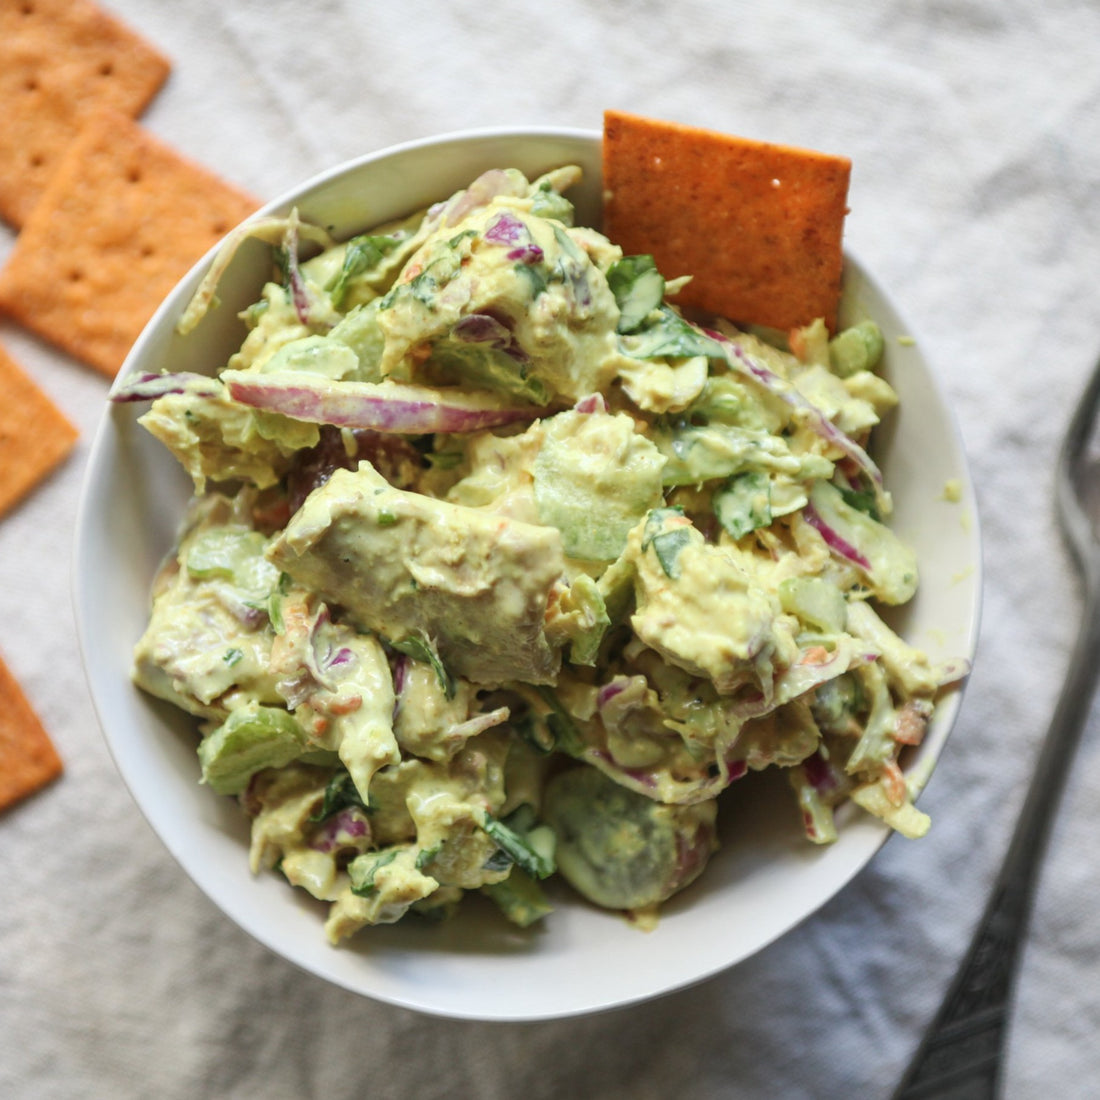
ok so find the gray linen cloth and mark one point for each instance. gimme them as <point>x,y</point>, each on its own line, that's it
<point>974,127</point>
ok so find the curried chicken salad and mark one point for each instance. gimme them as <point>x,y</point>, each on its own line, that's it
<point>499,566</point>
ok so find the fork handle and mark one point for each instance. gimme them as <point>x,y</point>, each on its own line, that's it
<point>961,1054</point>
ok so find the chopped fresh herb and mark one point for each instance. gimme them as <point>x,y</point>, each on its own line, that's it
<point>459,238</point>
<point>364,869</point>
<point>667,547</point>
<point>528,852</point>
<point>666,335</point>
<point>233,656</point>
<point>535,274</point>
<point>423,288</point>
<point>862,500</point>
<point>569,247</point>
<point>667,544</point>
<point>386,519</point>
<point>655,521</point>
<point>275,613</point>
<point>426,855</point>
<point>275,603</point>
<point>743,503</point>
<point>420,649</point>
<point>340,794</point>
<point>361,255</point>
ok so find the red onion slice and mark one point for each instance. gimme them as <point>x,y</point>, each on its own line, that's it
<point>148,386</point>
<point>381,407</point>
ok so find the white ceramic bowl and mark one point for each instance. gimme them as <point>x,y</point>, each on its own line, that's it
<point>766,877</point>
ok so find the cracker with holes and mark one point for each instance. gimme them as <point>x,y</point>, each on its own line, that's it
<point>28,759</point>
<point>759,226</point>
<point>59,60</point>
<point>121,222</point>
<point>35,435</point>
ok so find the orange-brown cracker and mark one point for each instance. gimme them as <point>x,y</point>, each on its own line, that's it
<point>123,219</point>
<point>28,759</point>
<point>759,226</point>
<point>59,60</point>
<point>35,435</point>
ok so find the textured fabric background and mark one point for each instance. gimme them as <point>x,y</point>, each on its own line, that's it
<point>974,127</point>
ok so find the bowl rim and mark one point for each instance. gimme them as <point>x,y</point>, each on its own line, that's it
<point>85,522</point>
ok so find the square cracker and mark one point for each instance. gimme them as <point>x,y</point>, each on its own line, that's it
<point>759,226</point>
<point>59,59</point>
<point>35,435</point>
<point>122,221</point>
<point>28,759</point>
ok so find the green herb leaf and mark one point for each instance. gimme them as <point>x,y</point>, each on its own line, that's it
<point>667,547</point>
<point>363,878</point>
<point>535,274</point>
<point>340,794</point>
<point>862,500</point>
<point>667,544</point>
<point>275,603</point>
<point>743,503</point>
<point>569,247</point>
<point>519,849</point>
<point>668,336</point>
<point>426,855</point>
<point>420,649</point>
<point>361,255</point>
<point>424,289</point>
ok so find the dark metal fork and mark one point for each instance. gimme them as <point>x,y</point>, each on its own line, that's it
<point>961,1056</point>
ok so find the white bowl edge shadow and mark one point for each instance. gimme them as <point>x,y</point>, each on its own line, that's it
<point>765,879</point>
